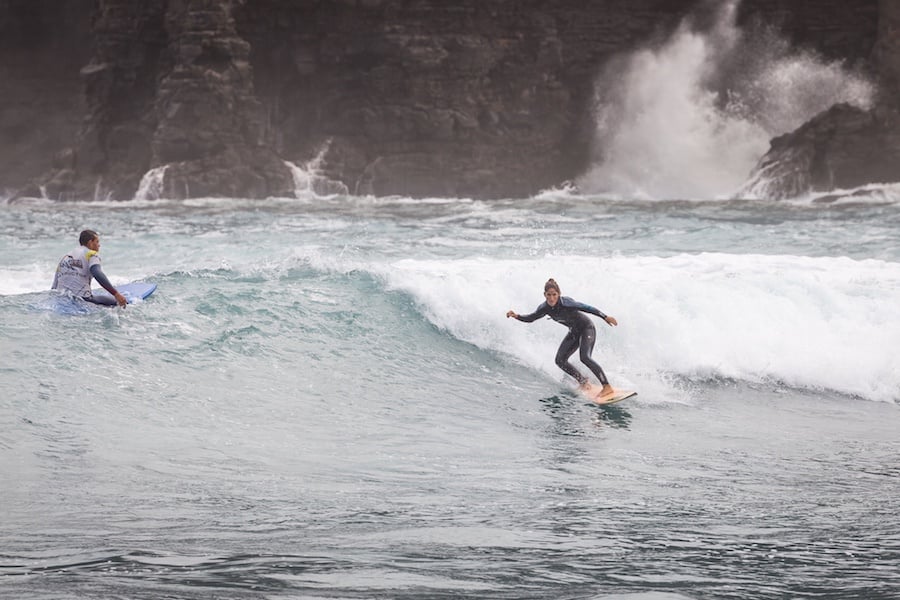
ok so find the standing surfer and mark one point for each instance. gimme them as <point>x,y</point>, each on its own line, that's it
<point>581,336</point>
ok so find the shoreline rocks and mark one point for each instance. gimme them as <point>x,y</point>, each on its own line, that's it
<point>469,99</point>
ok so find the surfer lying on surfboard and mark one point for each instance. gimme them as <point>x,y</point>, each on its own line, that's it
<point>581,336</point>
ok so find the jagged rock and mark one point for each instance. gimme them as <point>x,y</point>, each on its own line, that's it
<point>236,173</point>
<point>426,98</point>
<point>844,147</point>
<point>887,52</point>
<point>209,122</point>
<point>42,48</point>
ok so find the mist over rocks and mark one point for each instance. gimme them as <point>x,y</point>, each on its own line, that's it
<point>844,147</point>
<point>469,98</point>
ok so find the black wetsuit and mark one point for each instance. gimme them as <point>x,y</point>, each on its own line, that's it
<point>581,334</point>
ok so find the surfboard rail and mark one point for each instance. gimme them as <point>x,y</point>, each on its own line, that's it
<point>592,393</point>
<point>134,291</point>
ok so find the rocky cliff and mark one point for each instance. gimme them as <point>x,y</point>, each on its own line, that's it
<point>846,146</point>
<point>422,98</point>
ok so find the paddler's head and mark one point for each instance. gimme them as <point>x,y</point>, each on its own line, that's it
<point>90,239</point>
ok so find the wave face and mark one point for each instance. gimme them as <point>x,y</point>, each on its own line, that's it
<point>691,117</point>
<point>792,295</point>
<point>805,322</point>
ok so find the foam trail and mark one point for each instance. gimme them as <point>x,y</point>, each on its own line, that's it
<point>25,279</point>
<point>807,322</point>
<point>690,119</point>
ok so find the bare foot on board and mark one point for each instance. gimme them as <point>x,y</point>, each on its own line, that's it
<point>606,393</point>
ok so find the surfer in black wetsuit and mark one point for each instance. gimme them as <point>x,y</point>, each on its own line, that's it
<point>581,334</point>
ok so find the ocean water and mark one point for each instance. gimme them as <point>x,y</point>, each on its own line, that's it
<point>324,399</point>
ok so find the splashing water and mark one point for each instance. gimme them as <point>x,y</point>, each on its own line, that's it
<point>309,180</point>
<point>152,184</point>
<point>691,118</point>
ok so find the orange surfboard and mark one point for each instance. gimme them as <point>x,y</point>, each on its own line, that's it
<point>592,392</point>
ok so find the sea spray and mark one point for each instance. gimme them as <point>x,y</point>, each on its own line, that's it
<point>818,323</point>
<point>690,118</point>
<point>152,185</point>
<point>309,180</point>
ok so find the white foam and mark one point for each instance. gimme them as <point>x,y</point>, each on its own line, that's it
<point>309,180</point>
<point>691,118</point>
<point>38,277</point>
<point>152,185</point>
<point>26,278</point>
<point>809,322</point>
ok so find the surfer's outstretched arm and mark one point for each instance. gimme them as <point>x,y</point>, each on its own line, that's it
<point>589,309</point>
<point>540,312</point>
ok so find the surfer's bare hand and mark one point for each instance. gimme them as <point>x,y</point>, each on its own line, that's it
<point>611,320</point>
<point>121,300</point>
<point>511,313</point>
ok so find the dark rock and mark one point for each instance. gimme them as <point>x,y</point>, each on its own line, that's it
<point>887,52</point>
<point>844,147</point>
<point>424,98</point>
<point>42,47</point>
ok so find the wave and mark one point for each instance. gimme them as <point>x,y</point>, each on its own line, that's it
<point>817,323</point>
<point>873,193</point>
<point>810,322</point>
<point>567,194</point>
<point>869,194</point>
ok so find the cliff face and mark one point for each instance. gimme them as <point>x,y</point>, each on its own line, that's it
<point>167,83</point>
<point>844,147</point>
<point>437,98</point>
<point>42,49</point>
<point>425,98</point>
<point>120,85</point>
<point>887,52</point>
<point>209,122</point>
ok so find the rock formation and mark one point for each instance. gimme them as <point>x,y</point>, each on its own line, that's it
<point>424,98</point>
<point>169,83</point>
<point>42,104</point>
<point>209,123</point>
<point>844,147</point>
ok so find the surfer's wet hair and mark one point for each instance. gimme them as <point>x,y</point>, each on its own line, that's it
<point>551,285</point>
<point>86,236</point>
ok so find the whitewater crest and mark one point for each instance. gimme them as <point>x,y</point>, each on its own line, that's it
<point>687,316</point>
<point>774,178</point>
